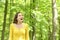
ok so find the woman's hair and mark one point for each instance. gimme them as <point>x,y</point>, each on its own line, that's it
<point>15,18</point>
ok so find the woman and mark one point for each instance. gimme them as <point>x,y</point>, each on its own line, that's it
<point>18,29</point>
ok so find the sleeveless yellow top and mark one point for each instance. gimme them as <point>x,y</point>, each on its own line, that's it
<point>19,33</point>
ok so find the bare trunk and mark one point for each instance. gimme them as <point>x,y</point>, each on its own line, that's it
<point>54,19</point>
<point>33,24</point>
<point>32,16</point>
<point>33,33</point>
<point>4,23</point>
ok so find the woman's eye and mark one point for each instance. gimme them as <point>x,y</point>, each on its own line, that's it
<point>19,15</point>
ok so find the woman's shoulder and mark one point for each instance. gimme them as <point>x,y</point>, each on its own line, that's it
<point>11,24</point>
<point>26,24</point>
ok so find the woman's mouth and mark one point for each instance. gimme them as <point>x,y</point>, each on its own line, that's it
<point>21,19</point>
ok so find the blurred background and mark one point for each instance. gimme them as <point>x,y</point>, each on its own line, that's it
<point>43,17</point>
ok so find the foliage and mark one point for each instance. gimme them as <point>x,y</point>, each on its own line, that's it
<point>42,14</point>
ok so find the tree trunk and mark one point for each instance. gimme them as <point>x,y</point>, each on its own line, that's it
<point>54,19</point>
<point>33,23</point>
<point>4,23</point>
<point>32,17</point>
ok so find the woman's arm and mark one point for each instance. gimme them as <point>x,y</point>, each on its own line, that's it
<point>10,33</point>
<point>27,32</point>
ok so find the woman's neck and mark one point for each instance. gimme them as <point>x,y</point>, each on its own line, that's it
<point>19,23</point>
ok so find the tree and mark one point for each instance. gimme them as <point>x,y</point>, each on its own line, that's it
<point>4,23</point>
<point>33,19</point>
<point>54,19</point>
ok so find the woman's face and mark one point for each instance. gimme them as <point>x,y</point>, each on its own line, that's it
<point>20,17</point>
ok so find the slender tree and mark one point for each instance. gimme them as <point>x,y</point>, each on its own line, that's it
<point>33,19</point>
<point>54,19</point>
<point>4,23</point>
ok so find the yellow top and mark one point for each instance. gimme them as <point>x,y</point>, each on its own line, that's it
<point>19,33</point>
